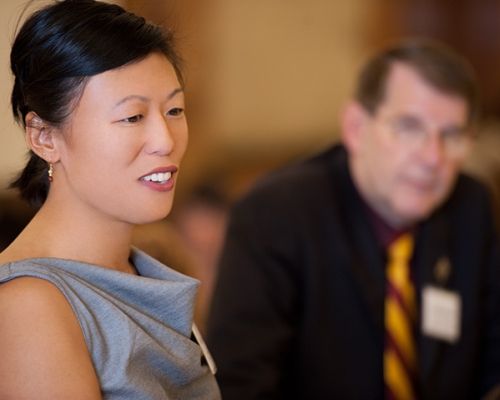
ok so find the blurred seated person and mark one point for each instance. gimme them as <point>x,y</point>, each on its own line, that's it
<point>191,241</point>
<point>14,216</point>
<point>371,270</point>
<point>484,160</point>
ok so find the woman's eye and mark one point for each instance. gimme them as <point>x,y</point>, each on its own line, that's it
<point>135,118</point>
<point>175,111</point>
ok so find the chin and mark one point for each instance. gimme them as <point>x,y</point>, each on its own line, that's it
<point>419,207</point>
<point>414,216</point>
<point>147,218</point>
<point>408,214</point>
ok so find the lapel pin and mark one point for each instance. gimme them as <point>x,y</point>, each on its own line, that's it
<point>442,270</point>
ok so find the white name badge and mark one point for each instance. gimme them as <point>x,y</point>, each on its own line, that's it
<point>204,350</point>
<point>441,313</point>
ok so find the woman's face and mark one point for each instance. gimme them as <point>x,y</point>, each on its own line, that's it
<point>120,154</point>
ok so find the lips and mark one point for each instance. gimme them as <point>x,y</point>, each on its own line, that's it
<point>160,179</point>
<point>421,185</point>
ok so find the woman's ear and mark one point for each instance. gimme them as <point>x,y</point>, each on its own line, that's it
<point>40,139</point>
<point>353,119</point>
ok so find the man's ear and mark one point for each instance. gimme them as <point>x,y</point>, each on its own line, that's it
<point>353,120</point>
<point>39,135</point>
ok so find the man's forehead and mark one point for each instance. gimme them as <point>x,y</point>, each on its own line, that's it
<point>402,74</point>
<point>406,89</point>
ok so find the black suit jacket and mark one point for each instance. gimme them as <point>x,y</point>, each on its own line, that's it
<point>298,309</point>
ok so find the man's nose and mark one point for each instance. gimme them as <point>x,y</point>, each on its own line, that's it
<point>433,151</point>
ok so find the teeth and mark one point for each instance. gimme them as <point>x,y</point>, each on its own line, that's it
<point>161,177</point>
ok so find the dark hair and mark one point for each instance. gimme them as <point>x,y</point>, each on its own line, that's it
<point>55,52</point>
<point>437,63</point>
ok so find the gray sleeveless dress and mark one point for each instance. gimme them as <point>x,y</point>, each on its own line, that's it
<point>137,328</point>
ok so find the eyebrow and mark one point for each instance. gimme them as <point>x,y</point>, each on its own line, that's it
<point>145,99</point>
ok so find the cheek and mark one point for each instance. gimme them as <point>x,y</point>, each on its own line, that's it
<point>448,178</point>
<point>181,141</point>
<point>184,146</point>
<point>391,167</point>
<point>96,157</point>
<point>382,153</point>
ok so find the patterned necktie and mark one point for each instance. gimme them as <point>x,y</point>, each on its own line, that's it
<point>400,356</point>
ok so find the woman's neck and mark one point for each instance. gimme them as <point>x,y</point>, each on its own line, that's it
<point>59,232</point>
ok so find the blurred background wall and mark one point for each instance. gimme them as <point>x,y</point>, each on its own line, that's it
<point>266,80</point>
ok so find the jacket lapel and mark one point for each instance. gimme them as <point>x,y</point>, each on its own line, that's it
<point>366,259</point>
<point>432,248</point>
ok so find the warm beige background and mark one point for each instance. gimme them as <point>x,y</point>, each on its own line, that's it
<point>266,78</point>
<point>12,147</point>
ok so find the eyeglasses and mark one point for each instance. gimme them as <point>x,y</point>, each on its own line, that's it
<point>413,134</point>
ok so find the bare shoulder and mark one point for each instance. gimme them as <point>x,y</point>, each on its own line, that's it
<point>44,353</point>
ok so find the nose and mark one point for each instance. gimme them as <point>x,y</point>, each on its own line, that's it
<point>160,140</point>
<point>433,151</point>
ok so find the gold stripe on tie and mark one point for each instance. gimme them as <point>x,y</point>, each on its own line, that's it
<point>396,377</point>
<point>401,330</point>
<point>400,357</point>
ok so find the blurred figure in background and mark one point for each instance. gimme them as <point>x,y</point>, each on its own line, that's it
<point>201,221</point>
<point>484,161</point>
<point>191,241</point>
<point>15,214</point>
<point>370,271</point>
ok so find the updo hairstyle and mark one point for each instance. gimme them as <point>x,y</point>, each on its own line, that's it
<point>55,52</point>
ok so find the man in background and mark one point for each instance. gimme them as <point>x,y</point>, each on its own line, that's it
<point>372,270</point>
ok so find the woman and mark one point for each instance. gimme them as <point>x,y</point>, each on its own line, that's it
<point>99,93</point>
